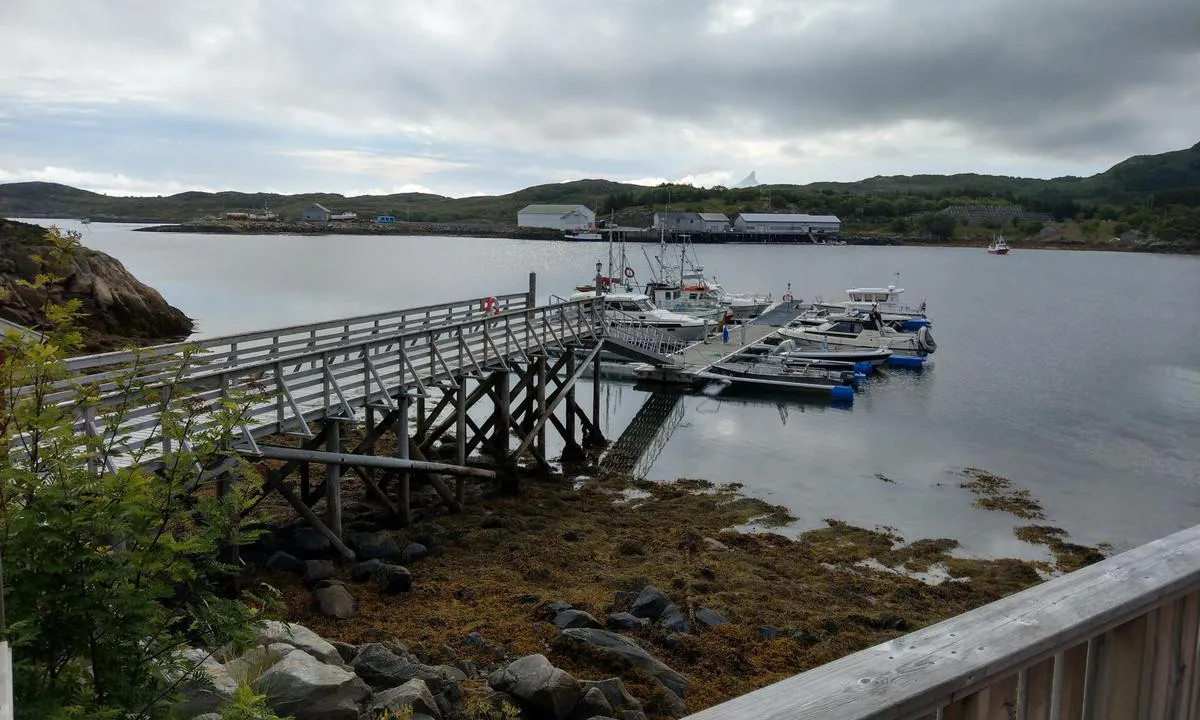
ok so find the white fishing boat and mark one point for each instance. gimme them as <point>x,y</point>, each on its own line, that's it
<point>867,299</point>
<point>998,247</point>
<point>637,309</point>
<point>588,234</point>
<point>681,285</point>
<point>867,331</point>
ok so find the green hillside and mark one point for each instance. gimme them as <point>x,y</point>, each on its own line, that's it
<point>1156,194</point>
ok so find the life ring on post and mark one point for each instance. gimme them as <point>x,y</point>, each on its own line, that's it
<point>787,297</point>
<point>491,306</point>
<point>629,273</point>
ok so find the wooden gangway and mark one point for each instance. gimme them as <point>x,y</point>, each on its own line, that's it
<point>308,380</point>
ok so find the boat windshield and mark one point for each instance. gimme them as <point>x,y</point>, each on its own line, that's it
<point>631,305</point>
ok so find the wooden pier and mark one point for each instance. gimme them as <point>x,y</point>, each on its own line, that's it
<point>415,374</point>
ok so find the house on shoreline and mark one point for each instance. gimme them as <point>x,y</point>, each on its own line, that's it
<point>557,217</point>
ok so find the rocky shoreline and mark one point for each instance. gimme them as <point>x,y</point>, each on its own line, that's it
<point>493,230</point>
<point>642,586</point>
<point>117,309</point>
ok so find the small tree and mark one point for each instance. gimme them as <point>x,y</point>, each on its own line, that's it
<point>111,558</point>
<point>940,225</point>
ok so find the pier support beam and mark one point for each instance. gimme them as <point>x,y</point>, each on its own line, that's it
<point>403,490</point>
<point>539,368</point>
<point>460,437</point>
<point>333,479</point>
<point>572,452</point>
<point>594,439</point>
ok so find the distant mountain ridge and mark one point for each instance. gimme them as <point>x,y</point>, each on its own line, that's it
<point>1172,177</point>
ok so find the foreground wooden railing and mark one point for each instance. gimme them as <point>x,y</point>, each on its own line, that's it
<point>1116,640</point>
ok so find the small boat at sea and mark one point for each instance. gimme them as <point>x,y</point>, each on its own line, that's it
<point>998,247</point>
<point>85,221</point>
<point>589,234</point>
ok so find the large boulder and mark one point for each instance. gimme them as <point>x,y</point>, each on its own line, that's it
<point>213,686</point>
<point>117,309</point>
<point>625,621</point>
<point>335,601</point>
<point>299,637</point>
<point>317,570</point>
<point>538,685</point>
<point>615,693</point>
<point>307,689</point>
<point>630,654</point>
<point>412,694</point>
<point>376,546</point>
<point>650,603</point>
<point>382,667</point>
<point>575,619</point>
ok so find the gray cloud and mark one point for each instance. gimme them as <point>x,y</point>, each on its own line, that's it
<point>810,90</point>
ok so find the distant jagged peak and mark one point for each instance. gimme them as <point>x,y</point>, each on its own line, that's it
<point>750,181</point>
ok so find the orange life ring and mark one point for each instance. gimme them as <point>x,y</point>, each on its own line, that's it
<point>629,273</point>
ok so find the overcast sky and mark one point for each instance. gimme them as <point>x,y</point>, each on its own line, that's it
<point>465,97</point>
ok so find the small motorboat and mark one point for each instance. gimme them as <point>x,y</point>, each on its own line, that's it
<point>866,299</point>
<point>868,331</point>
<point>998,247</point>
<point>809,377</point>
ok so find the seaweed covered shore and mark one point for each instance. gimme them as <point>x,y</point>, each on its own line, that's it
<point>491,583</point>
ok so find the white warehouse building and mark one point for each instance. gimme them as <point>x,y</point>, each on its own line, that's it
<point>787,224</point>
<point>558,217</point>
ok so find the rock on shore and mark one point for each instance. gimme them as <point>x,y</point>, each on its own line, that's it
<point>119,309</point>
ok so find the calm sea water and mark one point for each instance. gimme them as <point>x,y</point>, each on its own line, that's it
<point>1074,374</point>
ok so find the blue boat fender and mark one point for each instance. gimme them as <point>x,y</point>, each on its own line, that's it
<point>841,392</point>
<point>914,324</point>
<point>863,367</point>
<point>909,361</point>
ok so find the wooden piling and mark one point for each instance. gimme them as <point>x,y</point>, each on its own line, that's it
<point>333,480</point>
<point>404,489</point>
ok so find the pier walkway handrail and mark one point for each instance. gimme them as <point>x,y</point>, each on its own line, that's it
<point>298,338</point>
<point>339,373</point>
<point>160,362</point>
<point>1114,640</point>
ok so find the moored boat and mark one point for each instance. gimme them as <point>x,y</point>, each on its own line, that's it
<point>868,331</point>
<point>638,309</point>
<point>998,247</point>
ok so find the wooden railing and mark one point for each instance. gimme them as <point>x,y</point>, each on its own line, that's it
<point>1114,641</point>
<point>330,369</point>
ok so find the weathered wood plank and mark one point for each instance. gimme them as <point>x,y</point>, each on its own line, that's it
<point>916,673</point>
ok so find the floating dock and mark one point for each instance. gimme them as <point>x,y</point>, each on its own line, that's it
<point>698,357</point>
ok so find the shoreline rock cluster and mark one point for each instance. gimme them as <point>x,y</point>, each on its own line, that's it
<point>307,677</point>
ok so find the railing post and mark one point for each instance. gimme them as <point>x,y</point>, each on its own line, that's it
<point>531,299</point>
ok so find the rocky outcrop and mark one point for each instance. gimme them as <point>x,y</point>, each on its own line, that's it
<point>308,689</point>
<point>539,686</point>
<point>118,309</point>
<point>630,654</point>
